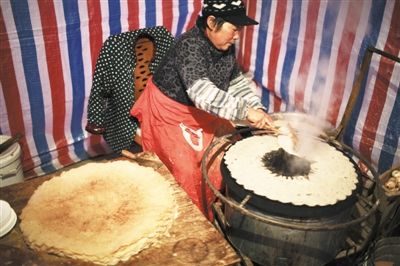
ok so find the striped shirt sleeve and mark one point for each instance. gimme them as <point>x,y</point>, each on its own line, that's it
<point>244,88</point>
<point>231,105</point>
<point>206,96</point>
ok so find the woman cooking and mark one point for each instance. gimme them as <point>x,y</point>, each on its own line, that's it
<point>195,93</point>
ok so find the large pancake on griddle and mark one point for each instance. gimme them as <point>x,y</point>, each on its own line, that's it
<point>99,212</point>
<point>332,178</point>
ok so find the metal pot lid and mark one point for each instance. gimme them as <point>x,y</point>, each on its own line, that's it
<point>11,153</point>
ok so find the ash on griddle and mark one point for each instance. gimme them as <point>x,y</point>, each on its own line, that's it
<point>285,164</point>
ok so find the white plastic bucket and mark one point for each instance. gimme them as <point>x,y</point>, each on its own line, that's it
<point>10,164</point>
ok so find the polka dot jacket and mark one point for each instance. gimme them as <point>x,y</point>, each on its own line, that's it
<point>112,92</point>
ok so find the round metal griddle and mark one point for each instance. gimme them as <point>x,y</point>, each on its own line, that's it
<point>249,204</point>
<point>265,205</point>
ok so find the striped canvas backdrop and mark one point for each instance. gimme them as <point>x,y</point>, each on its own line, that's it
<point>304,56</point>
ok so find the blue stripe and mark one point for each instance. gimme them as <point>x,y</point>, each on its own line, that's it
<point>392,135</point>
<point>114,14</point>
<point>151,18</point>
<point>374,22</point>
<point>260,52</point>
<point>74,40</point>
<point>183,13</point>
<point>265,97</point>
<point>291,49</point>
<point>29,61</point>
<point>328,31</point>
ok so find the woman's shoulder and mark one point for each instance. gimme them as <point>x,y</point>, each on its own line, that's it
<point>192,36</point>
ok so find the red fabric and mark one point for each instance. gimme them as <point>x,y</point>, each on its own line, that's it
<point>179,135</point>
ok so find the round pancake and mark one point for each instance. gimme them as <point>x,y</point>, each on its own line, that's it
<point>332,178</point>
<point>99,212</point>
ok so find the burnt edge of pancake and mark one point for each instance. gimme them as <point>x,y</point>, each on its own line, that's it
<point>285,164</point>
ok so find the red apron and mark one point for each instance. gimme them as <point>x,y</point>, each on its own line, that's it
<point>179,135</point>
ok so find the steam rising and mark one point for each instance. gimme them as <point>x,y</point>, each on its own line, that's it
<point>296,155</point>
<point>308,129</point>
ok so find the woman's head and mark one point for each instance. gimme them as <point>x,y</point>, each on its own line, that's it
<point>232,11</point>
<point>221,33</point>
<point>222,21</point>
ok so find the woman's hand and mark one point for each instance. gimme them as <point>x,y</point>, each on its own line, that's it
<point>259,119</point>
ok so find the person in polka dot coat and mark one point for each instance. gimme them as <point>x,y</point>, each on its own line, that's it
<point>195,93</point>
<point>112,92</point>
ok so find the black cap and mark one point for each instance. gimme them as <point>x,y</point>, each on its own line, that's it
<point>232,11</point>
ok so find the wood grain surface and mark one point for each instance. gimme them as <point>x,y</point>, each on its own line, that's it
<point>192,240</point>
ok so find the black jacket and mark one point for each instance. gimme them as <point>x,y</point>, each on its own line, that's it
<point>112,92</point>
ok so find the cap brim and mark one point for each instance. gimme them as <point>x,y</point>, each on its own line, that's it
<point>240,20</point>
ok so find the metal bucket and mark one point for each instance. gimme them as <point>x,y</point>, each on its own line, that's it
<point>10,164</point>
<point>270,244</point>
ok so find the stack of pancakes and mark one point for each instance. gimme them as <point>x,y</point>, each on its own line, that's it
<point>99,212</point>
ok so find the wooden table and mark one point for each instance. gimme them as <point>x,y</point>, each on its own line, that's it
<point>192,240</point>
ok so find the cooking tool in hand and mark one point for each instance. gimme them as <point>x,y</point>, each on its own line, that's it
<point>287,136</point>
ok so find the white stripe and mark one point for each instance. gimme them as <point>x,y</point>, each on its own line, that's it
<point>374,67</point>
<point>382,40</point>
<point>267,55</point>
<point>385,25</point>
<point>352,69</point>
<point>282,52</point>
<point>387,110</point>
<point>105,25</point>
<point>190,11</point>
<point>44,78</point>
<point>38,171</point>
<point>175,17</point>
<point>371,78</point>
<point>254,43</point>
<point>124,15</point>
<point>20,78</point>
<point>159,13</point>
<point>4,122</point>
<point>315,64</point>
<point>55,162</point>
<point>87,63</point>
<point>63,42</point>
<point>271,108</point>
<point>330,72</point>
<point>296,66</point>
<point>142,14</point>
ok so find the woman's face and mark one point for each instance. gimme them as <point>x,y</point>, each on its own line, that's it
<point>224,37</point>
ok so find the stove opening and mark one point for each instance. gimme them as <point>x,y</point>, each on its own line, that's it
<point>285,164</point>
